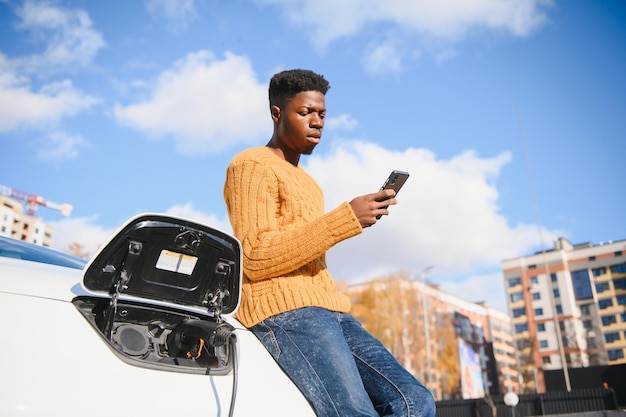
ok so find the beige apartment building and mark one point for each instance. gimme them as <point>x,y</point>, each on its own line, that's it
<point>567,306</point>
<point>14,223</point>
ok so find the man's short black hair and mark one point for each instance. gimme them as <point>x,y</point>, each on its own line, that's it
<point>287,84</point>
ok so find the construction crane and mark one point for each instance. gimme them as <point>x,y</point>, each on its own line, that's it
<point>33,201</point>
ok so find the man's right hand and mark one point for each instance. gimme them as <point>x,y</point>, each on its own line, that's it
<point>367,207</point>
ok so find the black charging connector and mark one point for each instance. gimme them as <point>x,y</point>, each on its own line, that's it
<point>187,334</point>
<point>192,335</point>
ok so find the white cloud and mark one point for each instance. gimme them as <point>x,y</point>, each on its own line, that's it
<point>81,230</point>
<point>177,13</point>
<point>409,25</point>
<point>70,41</point>
<point>20,106</point>
<point>59,147</point>
<point>448,214</point>
<point>441,19</point>
<point>187,211</point>
<point>341,122</point>
<point>382,58</point>
<point>204,103</point>
<point>68,34</point>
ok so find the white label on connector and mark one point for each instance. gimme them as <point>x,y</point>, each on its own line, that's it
<point>176,262</point>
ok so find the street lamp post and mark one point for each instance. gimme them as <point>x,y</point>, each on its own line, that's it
<point>511,399</point>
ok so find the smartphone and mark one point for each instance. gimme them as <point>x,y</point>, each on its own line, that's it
<point>395,181</point>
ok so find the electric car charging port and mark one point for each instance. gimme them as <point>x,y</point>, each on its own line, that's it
<point>160,338</point>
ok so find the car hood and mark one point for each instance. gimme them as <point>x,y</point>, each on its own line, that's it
<point>169,259</point>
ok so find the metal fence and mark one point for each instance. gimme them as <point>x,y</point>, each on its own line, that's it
<point>560,402</point>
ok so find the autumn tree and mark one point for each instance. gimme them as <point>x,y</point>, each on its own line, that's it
<point>391,310</point>
<point>78,250</point>
<point>448,359</point>
<point>376,306</point>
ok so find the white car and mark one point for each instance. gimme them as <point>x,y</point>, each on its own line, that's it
<point>146,328</point>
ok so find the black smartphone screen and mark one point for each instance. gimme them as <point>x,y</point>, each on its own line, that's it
<point>395,181</point>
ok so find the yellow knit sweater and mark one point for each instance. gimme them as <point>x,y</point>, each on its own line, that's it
<point>277,213</point>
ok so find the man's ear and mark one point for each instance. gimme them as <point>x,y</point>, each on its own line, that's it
<point>275,111</point>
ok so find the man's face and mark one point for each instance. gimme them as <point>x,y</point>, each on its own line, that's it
<point>300,122</point>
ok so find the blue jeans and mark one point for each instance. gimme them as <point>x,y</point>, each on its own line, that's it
<point>340,368</point>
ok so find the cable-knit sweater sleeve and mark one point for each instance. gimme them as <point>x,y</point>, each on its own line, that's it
<point>277,213</point>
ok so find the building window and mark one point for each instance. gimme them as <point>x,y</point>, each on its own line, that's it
<point>582,286</point>
<point>601,287</point>
<point>556,293</point>
<point>553,277</point>
<point>591,343</point>
<point>541,327</point>
<point>543,343</point>
<point>617,253</point>
<point>539,312</point>
<point>516,296</point>
<point>559,309</point>
<point>608,320</point>
<point>515,281</point>
<point>615,354</point>
<point>585,309</point>
<point>519,312</point>
<point>599,271</point>
<point>605,303</point>
<point>621,300</point>
<point>619,284</point>
<point>588,324</point>
<point>623,316</point>
<point>611,337</point>
<point>546,360</point>
<point>592,258</point>
<point>534,280</point>
<point>519,328</point>
<point>621,268</point>
<point>536,296</point>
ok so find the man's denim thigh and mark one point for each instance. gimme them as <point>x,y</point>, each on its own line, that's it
<point>310,347</point>
<point>392,389</point>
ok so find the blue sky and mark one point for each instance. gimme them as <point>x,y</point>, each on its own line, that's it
<point>509,115</point>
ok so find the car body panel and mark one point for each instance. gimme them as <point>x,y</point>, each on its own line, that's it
<point>54,362</point>
<point>17,249</point>
<point>40,280</point>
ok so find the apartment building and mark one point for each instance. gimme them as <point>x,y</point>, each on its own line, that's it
<point>457,348</point>
<point>568,306</point>
<point>14,223</point>
<point>488,333</point>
